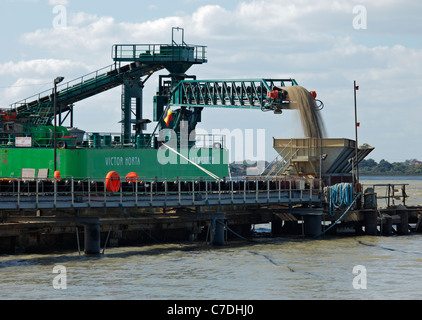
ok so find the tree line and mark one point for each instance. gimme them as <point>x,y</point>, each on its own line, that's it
<point>367,167</point>
<point>407,168</point>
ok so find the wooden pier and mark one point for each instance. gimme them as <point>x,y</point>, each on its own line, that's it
<point>82,214</point>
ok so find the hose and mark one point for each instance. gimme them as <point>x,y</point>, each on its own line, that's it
<point>341,217</point>
<point>341,194</point>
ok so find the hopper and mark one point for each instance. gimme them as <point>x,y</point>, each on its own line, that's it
<point>315,157</point>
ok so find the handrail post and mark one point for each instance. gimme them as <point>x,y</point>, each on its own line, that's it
<point>232,189</point>
<point>193,192</point>
<point>279,189</point>
<point>121,194</point>
<point>290,190</point>
<point>36,192</point>
<point>72,192</point>
<point>105,192</point>
<point>89,191</point>
<point>150,193</point>
<point>310,189</point>
<point>55,192</point>
<point>136,192</point>
<point>19,192</point>
<point>206,191</point>
<point>165,192</point>
<point>219,192</point>
<point>244,191</point>
<point>179,191</point>
<point>301,189</point>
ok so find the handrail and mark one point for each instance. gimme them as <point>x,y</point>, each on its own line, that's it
<point>390,192</point>
<point>70,192</point>
<point>158,52</point>
<point>66,85</point>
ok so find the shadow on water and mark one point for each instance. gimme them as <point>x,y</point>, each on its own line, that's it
<point>387,248</point>
<point>147,250</point>
<point>162,249</point>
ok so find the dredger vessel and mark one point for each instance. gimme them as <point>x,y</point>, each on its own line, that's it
<point>35,143</point>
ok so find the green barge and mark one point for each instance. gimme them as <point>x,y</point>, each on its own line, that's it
<point>96,163</point>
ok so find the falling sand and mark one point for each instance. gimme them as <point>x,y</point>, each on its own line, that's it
<point>313,125</point>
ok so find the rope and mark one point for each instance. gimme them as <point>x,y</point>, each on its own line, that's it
<point>341,217</point>
<point>212,175</point>
<point>340,194</point>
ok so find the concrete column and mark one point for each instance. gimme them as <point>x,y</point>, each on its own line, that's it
<point>312,225</point>
<point>92,239</point>
<point>370,222</point>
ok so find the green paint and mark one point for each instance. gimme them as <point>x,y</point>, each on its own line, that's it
<point>96,163</point>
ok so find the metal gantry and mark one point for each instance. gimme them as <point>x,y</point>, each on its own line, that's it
<point>240,93</point>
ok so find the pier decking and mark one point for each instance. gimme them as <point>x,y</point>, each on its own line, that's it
<point>70,213</point>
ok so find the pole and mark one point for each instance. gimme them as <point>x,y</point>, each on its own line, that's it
<point>356,135</point>
<point>55,125</point>
<point>56,82</point>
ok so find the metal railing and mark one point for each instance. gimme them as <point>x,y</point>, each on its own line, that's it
<point>69,193</point>
<point>90,78</point>
<point>158,53</point>
<point>390,193</point>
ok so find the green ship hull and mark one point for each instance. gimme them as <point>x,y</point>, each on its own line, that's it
<point>96,163</point>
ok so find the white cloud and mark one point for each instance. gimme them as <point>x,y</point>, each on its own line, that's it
<point>312,41</point>
<point>58,2</point>
<point>40,67</point>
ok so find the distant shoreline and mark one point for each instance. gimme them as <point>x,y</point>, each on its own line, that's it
<point>390,177</point>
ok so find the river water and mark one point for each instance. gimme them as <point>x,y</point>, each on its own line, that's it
<point>268,268</point>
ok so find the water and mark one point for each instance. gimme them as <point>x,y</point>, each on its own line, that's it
<point>268,268</point>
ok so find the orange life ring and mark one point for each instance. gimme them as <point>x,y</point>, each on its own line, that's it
<point>57,175</point>
<point>132,177</point>
<point>113,181</point>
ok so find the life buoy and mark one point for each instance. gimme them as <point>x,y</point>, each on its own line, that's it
<point>132,177</point>
<point>113,181</point>
<point>57,175</point>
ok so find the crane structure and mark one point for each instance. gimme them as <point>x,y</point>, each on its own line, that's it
<point>174,90</point>
<point>133,64</point>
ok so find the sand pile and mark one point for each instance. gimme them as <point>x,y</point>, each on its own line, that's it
<point>313,125</point>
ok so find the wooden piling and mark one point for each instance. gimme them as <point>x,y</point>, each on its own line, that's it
<point>386,225</point>
<point>370,222</point>
<point>312,225</point>
<point>403,226</point>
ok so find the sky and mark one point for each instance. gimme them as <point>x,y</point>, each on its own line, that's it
<point>324,45</point>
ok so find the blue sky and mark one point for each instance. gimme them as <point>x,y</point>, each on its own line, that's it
<point>312,41</point>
